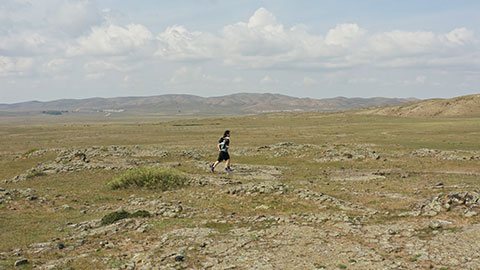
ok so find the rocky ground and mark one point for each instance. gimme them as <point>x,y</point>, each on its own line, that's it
<point>256,217</point>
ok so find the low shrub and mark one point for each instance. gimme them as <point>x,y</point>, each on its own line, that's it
<point>122,214</point>
<point>141,213</point>
<point>35,174</point>
<point>115,216</point>
<point>151,178</point>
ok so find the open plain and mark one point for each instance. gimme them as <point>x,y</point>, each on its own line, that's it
<point>309,191</point>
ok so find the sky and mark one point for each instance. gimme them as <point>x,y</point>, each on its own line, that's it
<point>57,49</point>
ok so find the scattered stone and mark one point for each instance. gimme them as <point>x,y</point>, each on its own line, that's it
<point>435,225</point>
<point>179,258</point>
<point>21,262</point>
<point>262,207</point>
<point>471,213</point>
<point>446,155</point>
<point>267,187</point>
<point>468,200</point>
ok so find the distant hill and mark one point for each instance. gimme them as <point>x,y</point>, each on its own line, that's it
<point>458,106</point>
<point>242,103</point>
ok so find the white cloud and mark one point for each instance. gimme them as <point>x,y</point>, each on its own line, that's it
<point>25,43</point>
<point>420,79</point>
<point>94,76</point>
<point>357,80</point>
<point>238,80</point>
<point>460,36</point>
<point>112,40</point>
<point>177,43</point>
<point>307,81</point>
<point>103,65</point>
<point>261,36</point>
<point>56,65</point>
<point>398,43</point>
<point>344,35</point>
<point>267,80</point>
<point>73,17</point>
<point>15,65</point>
<point>263,42</point>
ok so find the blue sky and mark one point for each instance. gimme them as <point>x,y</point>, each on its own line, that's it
<point>55,49</point>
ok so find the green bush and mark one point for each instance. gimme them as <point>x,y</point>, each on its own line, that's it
<point>141,213</point>
<point>149,177</point>
<point>35,174</point>
<point>114,216</point>
<point>122,214</point>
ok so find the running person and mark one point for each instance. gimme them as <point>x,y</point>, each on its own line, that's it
<point>223,145</point>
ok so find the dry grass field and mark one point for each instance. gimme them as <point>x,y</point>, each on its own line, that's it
<point>308,191</point>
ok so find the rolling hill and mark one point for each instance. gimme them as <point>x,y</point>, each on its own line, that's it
<point>452,107</point>
<point>242,103</point>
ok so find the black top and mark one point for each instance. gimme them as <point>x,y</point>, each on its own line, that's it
<point>224,142</point>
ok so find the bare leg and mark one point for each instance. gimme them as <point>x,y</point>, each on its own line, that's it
<point>216,163</point>
<point>227,165</point>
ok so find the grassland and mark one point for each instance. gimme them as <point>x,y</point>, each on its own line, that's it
<point>82,196</point>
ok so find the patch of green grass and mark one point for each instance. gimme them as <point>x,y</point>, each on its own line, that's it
<point>140,213</point>
<point>35,174</point>
<point>122,214</point>
<point>174,223</point>
<point>151,178</point>
<point>342,266</point>
<point>114,216</point>
<point>28,152</point>
<point>415,258</point>
<point>427,232</point>
<point>220,227</point>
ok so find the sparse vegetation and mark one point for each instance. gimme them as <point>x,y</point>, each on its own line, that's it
<point>220,227</point>
<point>122,214</point>
<point>54,112</point>
<point>415,258</point>
<point>151,178</point>
<point>114,216</point>
<point>256,220</point>
<point>30,151</point>
<point>35,174</point>
<point>140,213</point>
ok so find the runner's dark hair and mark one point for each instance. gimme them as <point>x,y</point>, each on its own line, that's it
<point>226,132</point>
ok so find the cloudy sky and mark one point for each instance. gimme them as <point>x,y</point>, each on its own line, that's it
<point>53,49</point>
